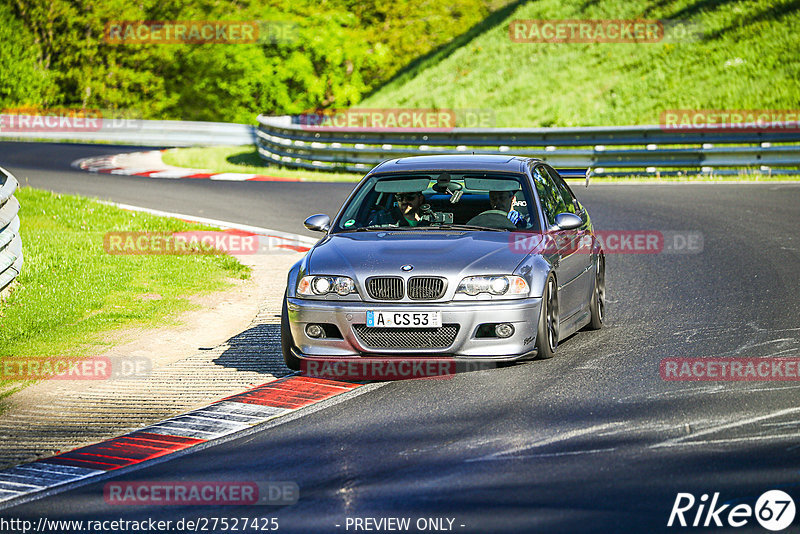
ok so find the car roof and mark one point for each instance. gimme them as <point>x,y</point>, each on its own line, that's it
<point>455,162</point>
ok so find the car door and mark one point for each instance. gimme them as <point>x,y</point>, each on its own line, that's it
<point>568,261</point>
<point>583,236</point>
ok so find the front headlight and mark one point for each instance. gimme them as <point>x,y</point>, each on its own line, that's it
<point>318,286</point>
<point>494,285</point>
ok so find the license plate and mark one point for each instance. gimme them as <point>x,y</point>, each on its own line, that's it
<point>404,319</point>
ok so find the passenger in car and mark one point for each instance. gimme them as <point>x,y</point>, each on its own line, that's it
<point>410,208</point>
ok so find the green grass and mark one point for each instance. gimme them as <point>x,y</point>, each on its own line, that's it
<point>71,295</point>
<point>245,159</point>
<point>746,59</point>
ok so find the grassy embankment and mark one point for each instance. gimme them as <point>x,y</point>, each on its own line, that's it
<point>71,295</point>
<point>741,61</point>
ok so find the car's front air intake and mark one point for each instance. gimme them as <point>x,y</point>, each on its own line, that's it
<point>406,338</point>
<point>425,288</point>
<point>385,288</point>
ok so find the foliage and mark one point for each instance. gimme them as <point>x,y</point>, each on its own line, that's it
<point>23,79</point>
<point>393,53</point>
<point>333,53</point>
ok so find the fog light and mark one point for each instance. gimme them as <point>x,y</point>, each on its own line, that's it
<point>504,330</point>
<point>315,330</point>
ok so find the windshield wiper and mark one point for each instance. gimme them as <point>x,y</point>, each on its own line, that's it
<point>362,229</point>
<point>371,229</point>
<point>469,227</point>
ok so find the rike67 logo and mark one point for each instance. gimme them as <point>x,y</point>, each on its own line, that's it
<point>774,510</point>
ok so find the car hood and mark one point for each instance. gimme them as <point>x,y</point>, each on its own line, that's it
<point>451,254</point>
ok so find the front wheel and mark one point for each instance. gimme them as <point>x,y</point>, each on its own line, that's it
<point>597,306</point>
<point>547,332</point>
<point>287,344</point>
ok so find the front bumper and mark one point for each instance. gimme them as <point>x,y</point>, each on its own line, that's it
<point>522,313</point>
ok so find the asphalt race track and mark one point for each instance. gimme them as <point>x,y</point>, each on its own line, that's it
<point>592,440</point>
<point>277,205</point>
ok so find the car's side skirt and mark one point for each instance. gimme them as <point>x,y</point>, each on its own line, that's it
<point>574,323</point>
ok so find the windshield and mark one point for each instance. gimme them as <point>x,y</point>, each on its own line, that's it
<point>472,200</point>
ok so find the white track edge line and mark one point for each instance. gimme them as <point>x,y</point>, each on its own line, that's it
<point>215,222</point>
<point>276,421</point>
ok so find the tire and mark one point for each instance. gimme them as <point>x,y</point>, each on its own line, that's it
<point>597,306</point>
<point>547,331</point>
<point>287,344</point>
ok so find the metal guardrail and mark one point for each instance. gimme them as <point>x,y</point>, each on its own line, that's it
<point>633,149</point>
<point>137,132</point>
<point>295,145</point>
<point>10,242</point>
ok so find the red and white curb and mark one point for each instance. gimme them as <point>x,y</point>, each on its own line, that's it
<point>268,240</point>
<point>223,418</point>
<point>117,164</point>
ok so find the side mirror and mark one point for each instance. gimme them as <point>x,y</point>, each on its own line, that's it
<point>318,223</point>
<point>568,221</point>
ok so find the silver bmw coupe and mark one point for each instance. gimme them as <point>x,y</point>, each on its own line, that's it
<point>488,258</point>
